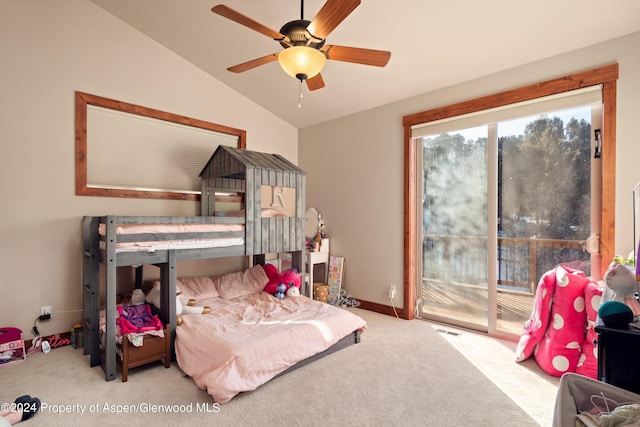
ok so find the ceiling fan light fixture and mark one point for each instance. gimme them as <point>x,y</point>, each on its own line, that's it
<point>302,62</point>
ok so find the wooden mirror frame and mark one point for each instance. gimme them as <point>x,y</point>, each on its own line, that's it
<point>82,188</point>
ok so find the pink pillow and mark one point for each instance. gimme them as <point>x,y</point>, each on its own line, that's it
<point>240,283</point>
<point>196,288</point>
<point>588,361</point>
<point>559,350</point>
<point>536,326</point>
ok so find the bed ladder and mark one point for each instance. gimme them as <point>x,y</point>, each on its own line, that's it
<point>91,289</point>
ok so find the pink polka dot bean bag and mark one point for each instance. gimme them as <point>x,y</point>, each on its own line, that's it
<point>536,326</point>
<point>559,350</point>
<point>588,361</point>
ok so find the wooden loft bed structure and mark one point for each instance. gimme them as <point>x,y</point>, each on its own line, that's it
<point>117,241</point>
<point>247,172</point>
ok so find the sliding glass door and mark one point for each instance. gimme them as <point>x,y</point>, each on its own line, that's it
<point>544,205</point>
<point>454,225</point>
<point>502,203</point>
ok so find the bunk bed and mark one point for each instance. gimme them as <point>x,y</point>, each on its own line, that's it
<point>115,241</point>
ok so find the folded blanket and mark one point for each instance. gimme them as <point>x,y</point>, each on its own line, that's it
<point>623,415</point>
<point>137,318</point>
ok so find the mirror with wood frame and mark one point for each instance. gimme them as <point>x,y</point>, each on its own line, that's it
<point>125,150</point>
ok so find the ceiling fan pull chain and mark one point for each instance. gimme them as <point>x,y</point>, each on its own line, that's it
<point>300,95</point>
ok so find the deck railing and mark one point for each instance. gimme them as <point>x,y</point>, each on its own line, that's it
<point>521,262</point>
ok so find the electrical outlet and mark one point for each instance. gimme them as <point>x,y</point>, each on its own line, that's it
<point>392,291</point>
<point>45,312</point>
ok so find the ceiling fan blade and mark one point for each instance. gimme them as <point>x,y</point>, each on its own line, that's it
<point>316,82</point>
<point>378,58</point>
<point>246,66</point>
<point>241,19</point>
<point>332,13</point>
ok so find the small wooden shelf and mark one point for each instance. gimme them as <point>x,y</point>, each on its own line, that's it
<point>154,348</point>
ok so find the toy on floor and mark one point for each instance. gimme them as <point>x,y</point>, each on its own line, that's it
<point>190,307</point>
<point>345,300</point>
<point>282,284</point>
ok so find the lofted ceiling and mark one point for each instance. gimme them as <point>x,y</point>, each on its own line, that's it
<point>433,44</point>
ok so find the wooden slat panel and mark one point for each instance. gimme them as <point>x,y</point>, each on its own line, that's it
<point>264,242</point>
<point>275,234</point>
<point>250,226</point>
<point>286,234</point>
<point>253,208</point>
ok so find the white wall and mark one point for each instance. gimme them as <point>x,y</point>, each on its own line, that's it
<point>355,164</point>
<point>49,50</point>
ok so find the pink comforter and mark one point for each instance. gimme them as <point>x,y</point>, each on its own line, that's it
<point>246,341</point>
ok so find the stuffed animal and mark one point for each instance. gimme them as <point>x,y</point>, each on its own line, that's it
<point>271,271</point>
<point>280,284</point>
<point>280,291</point>
<point>621,285</point>
<point>153,297</point>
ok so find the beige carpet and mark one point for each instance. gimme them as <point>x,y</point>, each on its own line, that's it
<point>526,383</point>
<point>402,373</point>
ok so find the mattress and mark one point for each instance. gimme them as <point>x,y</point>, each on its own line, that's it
<point>190,243</point>
<point>246,341</point>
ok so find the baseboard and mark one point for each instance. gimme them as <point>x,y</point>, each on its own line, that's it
<point>384,309</point>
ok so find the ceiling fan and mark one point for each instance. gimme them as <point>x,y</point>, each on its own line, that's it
<point>305,52</point>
